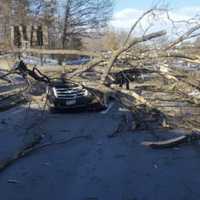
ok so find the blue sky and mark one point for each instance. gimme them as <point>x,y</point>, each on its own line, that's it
<point>145,4</point>
<point>126,12</point>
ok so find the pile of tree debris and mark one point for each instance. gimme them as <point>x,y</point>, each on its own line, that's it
<point>153,87</point>
<point>141,77</point>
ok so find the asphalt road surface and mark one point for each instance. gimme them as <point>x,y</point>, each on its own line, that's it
<point>93,168</point>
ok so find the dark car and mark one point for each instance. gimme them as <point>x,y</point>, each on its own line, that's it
<point>62,94</point>
<point>65,94</point>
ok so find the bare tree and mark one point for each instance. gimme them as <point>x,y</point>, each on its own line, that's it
<point>82,17</point>
<point>20,11</point>
<point>44,13</point>
<point>5,19</point>
<point>12,13</point>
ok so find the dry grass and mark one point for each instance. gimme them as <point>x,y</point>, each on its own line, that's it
<point>6,63</point>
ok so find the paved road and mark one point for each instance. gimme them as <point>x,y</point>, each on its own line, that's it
<point>98,168</point>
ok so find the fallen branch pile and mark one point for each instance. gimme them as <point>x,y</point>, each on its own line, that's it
<point>157,84</point>
<point>153,82</point>
<point>159,92</point>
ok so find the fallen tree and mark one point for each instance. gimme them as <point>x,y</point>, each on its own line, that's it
<point>180,83</point>
<point>179,88</point>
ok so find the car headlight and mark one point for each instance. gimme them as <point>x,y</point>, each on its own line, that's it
<point>86,93</point>
<point>55,92</point>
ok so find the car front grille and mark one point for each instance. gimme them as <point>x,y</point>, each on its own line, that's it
<point>69,94</point>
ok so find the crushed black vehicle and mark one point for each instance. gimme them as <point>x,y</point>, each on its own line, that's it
<point>65,94</point>
<point>62,94</point>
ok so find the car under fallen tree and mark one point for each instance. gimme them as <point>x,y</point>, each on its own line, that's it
<point>62,94</point>
<point>65,94</point>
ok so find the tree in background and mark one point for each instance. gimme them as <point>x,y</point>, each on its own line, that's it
<point>20,12</point>
<point>113,39</point>
<point>44,13</point>
<point>68,21</point>
<point>197,42</point>
<point>82,17</point>
<point>5,18</point>
<point>12,12</point>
